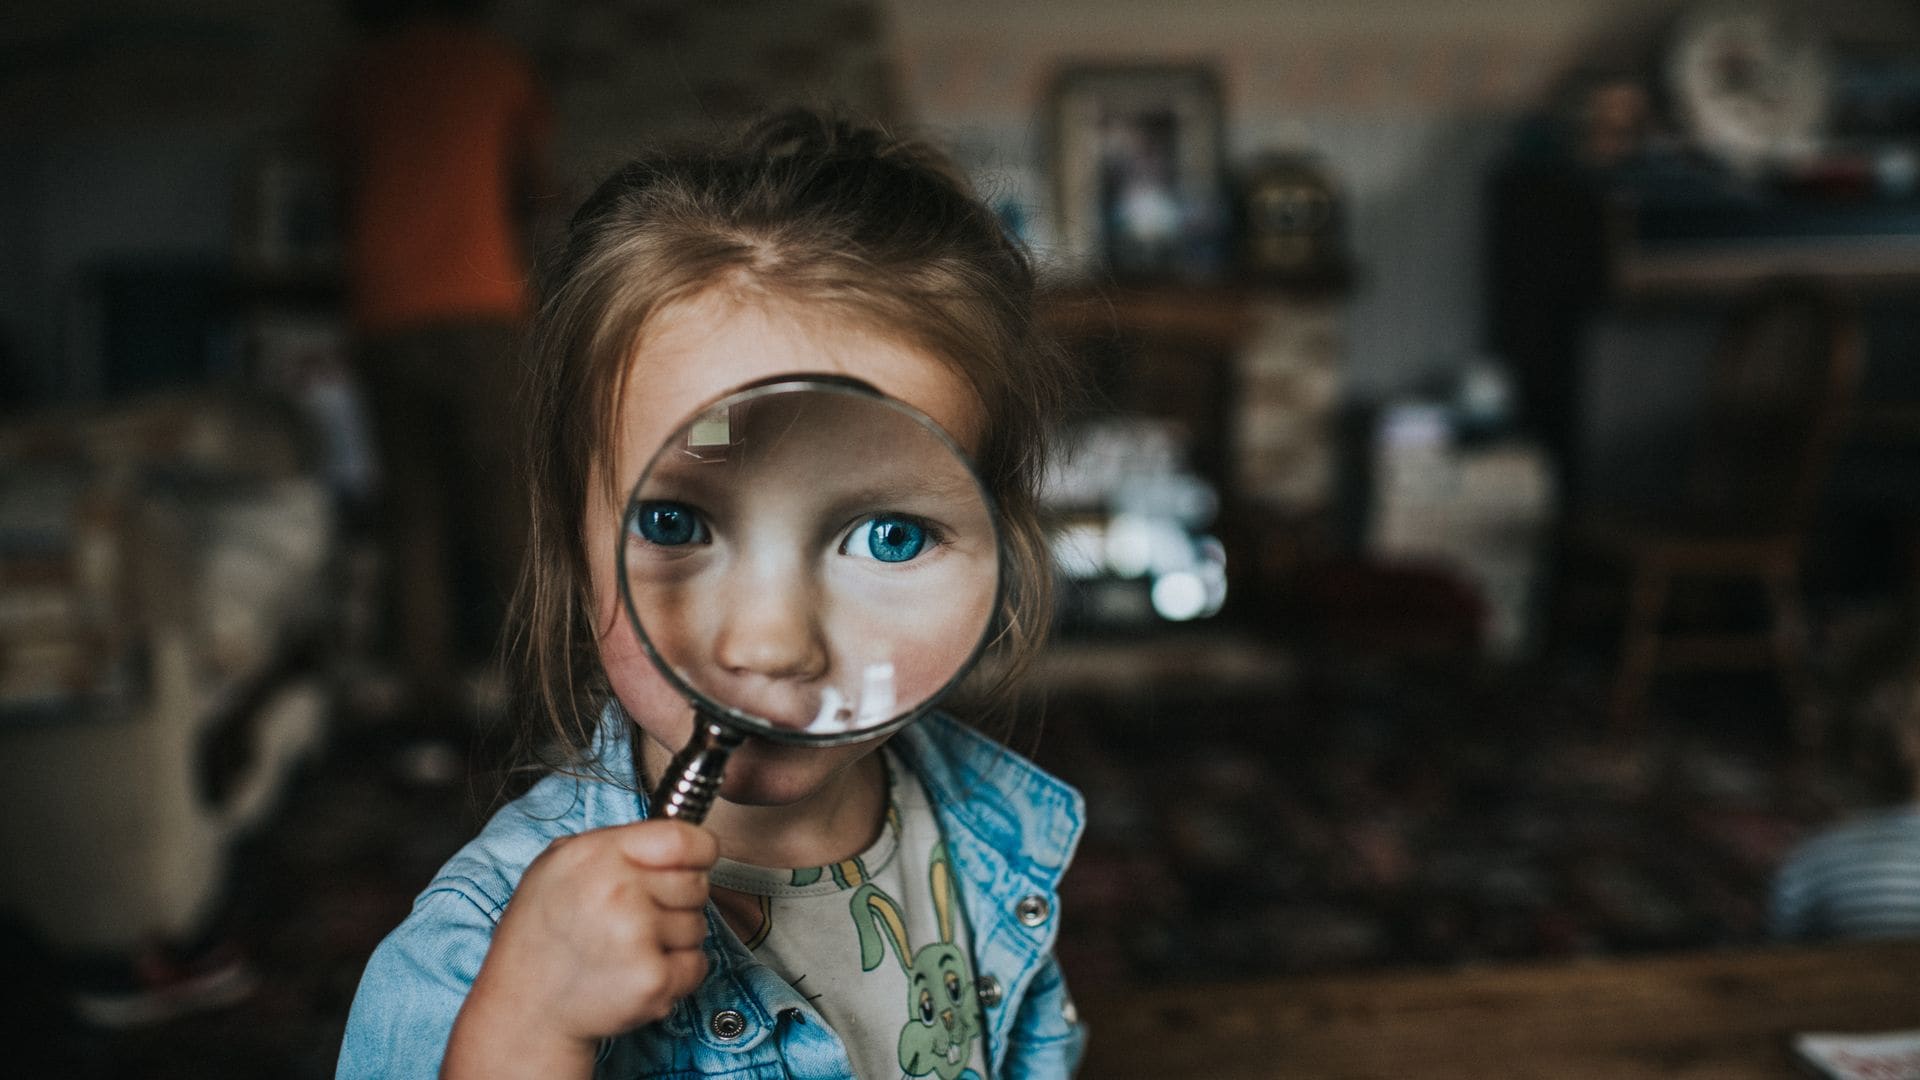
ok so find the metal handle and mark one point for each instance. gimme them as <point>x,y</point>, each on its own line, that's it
<point>692,779</point>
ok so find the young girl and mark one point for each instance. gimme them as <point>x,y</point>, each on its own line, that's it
<point>864,910</point>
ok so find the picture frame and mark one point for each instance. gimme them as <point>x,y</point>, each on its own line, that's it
<point>1138,162</point>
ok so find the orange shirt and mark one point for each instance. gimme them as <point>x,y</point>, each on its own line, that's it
<point>439,127</point>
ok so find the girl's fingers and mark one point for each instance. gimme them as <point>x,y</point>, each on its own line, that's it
<point>678,890</point>
<point>679,930</point>
<point>685,968</point>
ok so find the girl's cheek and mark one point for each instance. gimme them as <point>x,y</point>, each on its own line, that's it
<point>923,667</point>
<point>927,644</point>
<point>643,691</point>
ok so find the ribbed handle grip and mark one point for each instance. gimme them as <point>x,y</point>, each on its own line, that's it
<point>692,779</point>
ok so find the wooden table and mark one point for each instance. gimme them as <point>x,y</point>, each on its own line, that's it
<point>1701,1015</point>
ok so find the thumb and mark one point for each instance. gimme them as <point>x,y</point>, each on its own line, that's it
<point>665,844</point>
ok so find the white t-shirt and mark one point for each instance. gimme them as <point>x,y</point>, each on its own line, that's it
<point>878,943</point>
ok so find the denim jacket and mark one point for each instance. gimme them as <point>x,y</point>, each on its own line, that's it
<point>1010,830</point>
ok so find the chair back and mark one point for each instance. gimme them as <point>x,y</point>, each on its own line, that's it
<point>1783,378</point>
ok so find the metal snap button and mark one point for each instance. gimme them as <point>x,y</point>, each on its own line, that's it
<point>728,1025</point>
<point>988,989</point>
<point>1033,910</point>
<point>1069,1012</point>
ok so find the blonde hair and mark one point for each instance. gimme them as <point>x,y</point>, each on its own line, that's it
<point>802,209</point>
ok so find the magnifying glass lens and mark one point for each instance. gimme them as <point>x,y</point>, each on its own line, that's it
<point>811,562</point>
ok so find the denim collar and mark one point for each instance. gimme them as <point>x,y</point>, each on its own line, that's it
<point>979,788</point>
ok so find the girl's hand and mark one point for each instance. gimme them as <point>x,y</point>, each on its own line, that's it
<point>603,935</point>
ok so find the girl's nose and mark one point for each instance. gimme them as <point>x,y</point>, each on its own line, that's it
<point>771,629</point>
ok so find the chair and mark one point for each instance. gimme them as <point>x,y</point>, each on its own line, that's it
<point>1782,378</point>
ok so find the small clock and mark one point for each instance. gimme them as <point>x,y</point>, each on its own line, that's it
<point>1293,220</point>
<point>1751,82</point>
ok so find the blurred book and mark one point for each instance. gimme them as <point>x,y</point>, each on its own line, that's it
<point>1891,1055</point>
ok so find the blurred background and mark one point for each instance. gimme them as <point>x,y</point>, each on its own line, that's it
<point>1494,538</point>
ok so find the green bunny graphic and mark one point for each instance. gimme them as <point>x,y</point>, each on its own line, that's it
<point>943,1016</point>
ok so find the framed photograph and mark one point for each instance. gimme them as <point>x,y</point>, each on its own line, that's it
<point>1137,155</point>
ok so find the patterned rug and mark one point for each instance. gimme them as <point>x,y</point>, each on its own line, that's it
<point>1410,814</point>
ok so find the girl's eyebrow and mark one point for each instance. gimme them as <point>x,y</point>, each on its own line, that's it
<point>939,486</point>
<point>950,495</point>
<point>682,477</point>
<point>833,494</point>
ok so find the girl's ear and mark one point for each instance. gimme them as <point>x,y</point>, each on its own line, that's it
<point>875,914</point>
<point>946,891</point>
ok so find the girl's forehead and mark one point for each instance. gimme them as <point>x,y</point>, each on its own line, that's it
<point>697,350</point>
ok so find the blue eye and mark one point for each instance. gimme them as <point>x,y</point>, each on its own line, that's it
<point>668,524</point>
<point>888,538</point>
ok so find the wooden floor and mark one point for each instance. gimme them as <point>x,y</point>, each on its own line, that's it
<point>1699,1016</point>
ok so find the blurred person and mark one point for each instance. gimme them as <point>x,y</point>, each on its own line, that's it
<point>440,128</point>
<point>1861,878</point>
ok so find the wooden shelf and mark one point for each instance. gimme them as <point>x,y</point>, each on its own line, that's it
<point>1891,264</point>
<point>1732,247</point>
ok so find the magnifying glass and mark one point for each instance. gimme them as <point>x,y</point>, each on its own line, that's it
<point>809,562</point>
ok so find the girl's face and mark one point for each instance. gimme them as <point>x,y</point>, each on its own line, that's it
<point>819,559</point>
<point>692,353</point>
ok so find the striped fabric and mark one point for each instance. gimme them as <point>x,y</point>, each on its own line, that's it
<point>1857,880</point>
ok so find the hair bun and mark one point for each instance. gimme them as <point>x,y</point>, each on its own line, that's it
<point>801,134</point>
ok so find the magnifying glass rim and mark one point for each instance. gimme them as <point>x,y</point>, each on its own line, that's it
<point>760,727</point>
